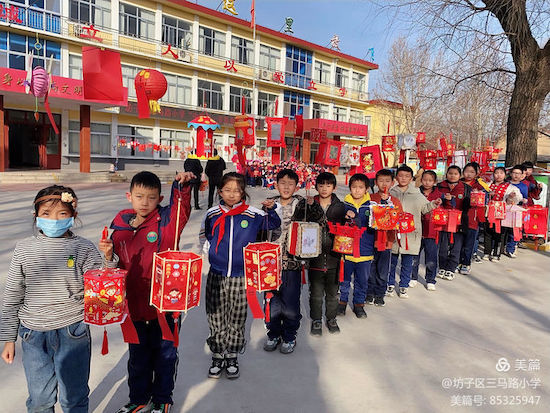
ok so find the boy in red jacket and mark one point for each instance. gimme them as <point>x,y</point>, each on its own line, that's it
<point>139,232</point>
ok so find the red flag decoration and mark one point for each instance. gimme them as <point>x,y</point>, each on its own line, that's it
<point>299,122</point>
<point>102,76</point>
<point>253,14</point>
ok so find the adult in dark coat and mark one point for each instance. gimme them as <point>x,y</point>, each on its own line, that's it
<point>192,164</point>
<point>214,172</point>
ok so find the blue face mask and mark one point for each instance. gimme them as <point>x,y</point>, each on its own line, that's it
<point>54,227</point>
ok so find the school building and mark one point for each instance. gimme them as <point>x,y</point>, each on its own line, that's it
<point>210,60</point>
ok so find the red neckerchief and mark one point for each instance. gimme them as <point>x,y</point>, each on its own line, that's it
<point>221,220</point>
<point>499,190</point>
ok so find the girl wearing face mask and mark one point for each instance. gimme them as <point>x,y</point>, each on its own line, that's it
<point>44,304</point>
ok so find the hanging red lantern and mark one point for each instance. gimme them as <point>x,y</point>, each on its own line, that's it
<point>245,130</point>
<point>205,127</point>
<point>150,86</point>
<point>420,137</point>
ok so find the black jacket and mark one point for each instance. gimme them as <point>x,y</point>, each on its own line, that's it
<point>214,169</point>
<point>193,165</point>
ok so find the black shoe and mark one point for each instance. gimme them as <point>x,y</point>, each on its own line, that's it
<point>316,328</point>
<point>332,326</point>
<point>341,310</point>
<point>198,208</point>
<point>217,367</point>
<point>359,311</point>
<point>232,366</point>
<point>370,300</point>
<point>379,301</point>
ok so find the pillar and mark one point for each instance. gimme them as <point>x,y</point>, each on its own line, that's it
<point>306,148</point>
<point>85,138</point>
<point>4,138</point>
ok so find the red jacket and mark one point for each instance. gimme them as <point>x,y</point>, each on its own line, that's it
<point>461,199</point>
<point>533,189</point>
<point>475,214</point>
<point>135,247</point>
<point>428,228</point>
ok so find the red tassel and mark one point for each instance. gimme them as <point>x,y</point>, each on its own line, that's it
<point>406,242</point>
<point>268,297</point>
<point>497,226</point>
<point>176,330</point>
<point>437,237</point>
<point>166,333</point>
<point>105,345</point>
<point>452,238</point>
<point>341,272</point>
<point>517,233</point>
<point>129,332</point>
<point>303,274</point>
<point>347,179</point>
<point>253,303</point>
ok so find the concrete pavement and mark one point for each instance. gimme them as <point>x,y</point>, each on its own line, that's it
<point>398,360</point>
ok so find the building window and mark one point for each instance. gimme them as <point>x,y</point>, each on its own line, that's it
<point>179,90</point>
<point>270,57</point>
<point>320,111</point>
<point>358,82</point>
<point>242,50</point>
<point>141,136</point>
<point>177,32</point>
<point>340,114</point>
<point>96,12</point>
<point>266,104</point>
<point>235,99</point>
<point>36,14</point>
<point>295,103</point>
<point>129,74</point>
<point>211,42</point>
<point>356,116</point>
<point>210,95</point>
<point>342,77</point>
<point>137,22</point>
<point>298,66</point>
<point>14,49</point>
<point>75,66</point>
<point>177,141</point>
<point>322,72</point>
<point>100,138</point>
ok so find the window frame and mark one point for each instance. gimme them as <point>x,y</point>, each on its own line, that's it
<point>213,41</point>
<point>243,51</point>
<point>266,106</point>
<point>147,154</point>
<point>322,73</point>
<point>210,94</point>
<point>177,33</point>
<point>170,140</point>
<point>273,57</point>
<point>317,111</point>
<point>94,135</point>
<point>93,8</point>
<point>235,99</point>
<point>342,77</point>
<point>125,17</point>
<point>181,82</point>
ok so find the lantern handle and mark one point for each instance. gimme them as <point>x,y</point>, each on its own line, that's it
<point>176,238</point>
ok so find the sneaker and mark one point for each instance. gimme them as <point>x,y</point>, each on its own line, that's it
<point>487,257</point>
<point>465,270</point>
<point>161,407</point>
<point>217,366</point>
<point>316,328</point>
<point>494,258</point>
<point>359,311</point>
<point>288,347</point>
<point>272,344</point>
<point>449,275</point>
<point>379,301</point>
<point>332,326</point>
<point>430,286</point>
<point>390,292</point>
<point>135,408</point>
<point>441,273</point>
<point>370,300</point>
<point>477,259</point>
<point>403,293</point>
<point>511,254</point>
<point>232,366</point>
<point>459,268</point>
<point>412,283</point>
<point>341,310</point>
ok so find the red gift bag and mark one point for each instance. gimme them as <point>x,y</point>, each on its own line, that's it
<point>262,271</point>
<point>406,225</point>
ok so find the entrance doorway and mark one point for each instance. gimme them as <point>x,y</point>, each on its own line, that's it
<point>32,143</point>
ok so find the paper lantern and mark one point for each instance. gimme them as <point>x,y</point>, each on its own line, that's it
<point>105,296</point>
<point>388,143</point>
<point>480,157</point>
<point>447,220</point>
<point>276,132</point>
<point>535,220</point>
<point>477,199</point>
<point>406,225</point>
<point>346,238</point>
<point>329,153</point>
<point>150,86</point>
<point>304,239</point>
<point>40,82</point>
<point>245,130</point>
<point>383,218</point>
<point>204,126</point>
<point>176,281</point>
<point>450,151</point>
<point>440,217</point>
<point>420,137</point>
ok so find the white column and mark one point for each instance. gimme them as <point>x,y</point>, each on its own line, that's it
<point>366,90</point>
<point>228,34</point>
<point>64,132</point>
<point>226,95</point>
<point>331,110</point>
<point>158,28</point>
<point>195,41</point>
<point>195,89</point>
<point>115,27</point>
<point>114,135</point>
<point>281,109</point>
<point>333,75</point>
<point>64,60</point>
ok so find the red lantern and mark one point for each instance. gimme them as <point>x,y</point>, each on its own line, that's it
<point>480,157</point>
<point>477,199</point>
<point>276,132</point>
<point>304,239</point>
<point>406,225</point>
<point>535,220</point>
<point>383,218</point>
<point>420,137</point>
<point>329,153</point>
<point>496,213</point>
<point>430,163</point>
<point>150,86</point>
<point>245,130</point>
<point>346,238</point>
<point>205,127</point>
<point>450,150</point>
<point>370,160</point>
<point>388,143</point>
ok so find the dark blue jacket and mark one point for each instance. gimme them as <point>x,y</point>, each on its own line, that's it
<point>362,215</point>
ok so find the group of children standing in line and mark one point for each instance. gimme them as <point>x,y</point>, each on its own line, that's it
<point>43,300</point>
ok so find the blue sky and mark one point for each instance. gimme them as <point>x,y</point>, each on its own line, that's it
<point>359,23</point>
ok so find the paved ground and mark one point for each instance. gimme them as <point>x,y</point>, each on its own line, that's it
<point>412,355</point>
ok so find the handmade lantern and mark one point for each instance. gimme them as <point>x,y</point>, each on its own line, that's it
<point>304,239</point>
<point>406,225</point>
<point>276,132</point>
<point>428,159</point>
<point>39,85</point>
<point>450,151</point>
<point>420,137</point>
<point>176,281</point>
<point>245,130</point>
<point>150,86</point>
<point>346,241</point>
<point>383,218</point>
<point>388,143</point>
<point>514,220</point>
<point>535,221</point>
<point>480,157</point>
<point>370,160</point>
<point>440,219</point>
<point>262,271</point>
<point>329,153</point>
<point>455,217</point>
<point>204,144</point>
<point>496,212</point>
<point>477,199</point>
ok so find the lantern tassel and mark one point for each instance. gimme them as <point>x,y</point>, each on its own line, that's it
<point>303,274</point>
<point>50,116</point>
<point>268,297</point>
<point>176,330</point>
<point>129,332</point>
<point>105,345</point>
<point>341,272</point>
<point>253,303</point>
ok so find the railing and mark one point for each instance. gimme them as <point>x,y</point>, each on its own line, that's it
<point>39,19</point>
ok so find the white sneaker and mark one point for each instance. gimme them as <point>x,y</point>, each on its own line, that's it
<point>465,270</point>
<point>441,273</point>
<point>403,293</point>
<point>449,275</point>
<point>412,283</point>
<point>430,287</point>
<point>390,292</point>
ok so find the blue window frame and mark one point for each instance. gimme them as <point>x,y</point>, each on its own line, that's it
<point>294,103</point>
<point>298,67</point>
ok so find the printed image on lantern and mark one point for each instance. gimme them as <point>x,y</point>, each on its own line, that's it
<point>304,239</point>
<point>383,218</point>
<point>388,143</point>
<point>150,86</point>
<point>346,238</point>
<point>496,212</point>
<point>370,160</point>
<point>406,225</point>
<point>276,132</point>
<point>318,135</point>
<point>477,199</point>
<point>245,130</point>
<point>204,127</point>
<point>105,296</point>
<point>176,281</point>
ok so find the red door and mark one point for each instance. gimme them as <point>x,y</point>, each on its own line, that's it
<point>52,146</point>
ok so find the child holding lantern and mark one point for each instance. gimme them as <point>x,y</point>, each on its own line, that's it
<point>229,227</point>
<point>44,304</point>
<point>139,232</point>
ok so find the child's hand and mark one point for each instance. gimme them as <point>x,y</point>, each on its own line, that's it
<point>268,203</point>
<point>448,196</point>
<point>384,195</point>
<point>8,354</point>
<point>184,177</point>
<point>310,200</point>
<point>106,247</point>
<point>350,215</point>
<point>437,202</point>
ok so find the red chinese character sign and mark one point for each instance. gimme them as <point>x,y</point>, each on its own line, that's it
<point>370,160</point>
<point>245,130</point>
<point>204,143</point>
<point>150,86</point>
